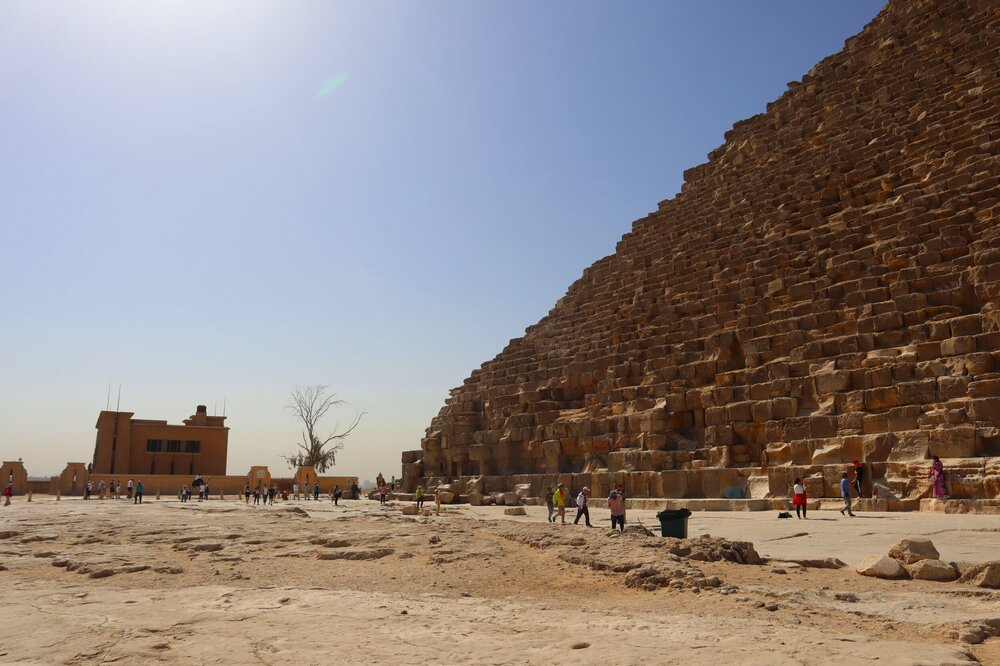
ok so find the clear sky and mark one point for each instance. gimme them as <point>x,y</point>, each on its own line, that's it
<point>206,200</point>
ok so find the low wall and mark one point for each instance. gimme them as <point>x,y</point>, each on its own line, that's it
<point>170,484</point>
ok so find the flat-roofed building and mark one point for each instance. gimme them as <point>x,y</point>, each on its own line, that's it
<point>126,445</point>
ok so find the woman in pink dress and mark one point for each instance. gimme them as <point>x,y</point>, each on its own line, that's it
<point>937,473</point>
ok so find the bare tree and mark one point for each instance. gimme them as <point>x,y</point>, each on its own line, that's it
<point>309,405</point>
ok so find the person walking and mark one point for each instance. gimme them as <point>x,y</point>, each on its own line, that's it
<point>581,507</point>
<point>316,490</point>
<point>940,488</point>
<point>88,489</point>
<point>859,477</point>
<point>845,492</point>
<point>799,498</point>
<point>246,493</point>
<point>548,503</point>
<point>420,497</point>
<point>100,489</point>
<point>559,502</point>
<point>336,495</point>
<point>355,491</point>
<point>8,491</point>
<point>256,495</point>
<point>130,490</point>
<point>138,492</point>
<point>271,492</point>
<point>616,502</point>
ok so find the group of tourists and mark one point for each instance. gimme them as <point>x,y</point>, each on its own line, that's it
<point>853,481</point>
<point>557,497</point>
<point>113,490</point>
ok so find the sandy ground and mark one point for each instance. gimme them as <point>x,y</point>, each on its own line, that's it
<point>222,583</point>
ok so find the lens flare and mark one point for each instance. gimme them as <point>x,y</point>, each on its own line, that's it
<point>330,85</point>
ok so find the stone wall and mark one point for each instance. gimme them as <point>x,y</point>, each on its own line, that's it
<point>825,288</point>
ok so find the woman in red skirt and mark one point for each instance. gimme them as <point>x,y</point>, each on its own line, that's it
<point>799,498</point>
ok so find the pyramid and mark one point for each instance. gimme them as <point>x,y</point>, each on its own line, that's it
<point>826,288</point>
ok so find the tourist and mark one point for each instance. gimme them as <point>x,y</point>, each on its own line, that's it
<point>392,484</point>
<point>316,490</point>
<point>420,497</point>
<point>799,498</point>
<point>129,490</point>
<point>138,492</point>
<point>845,492</point>
<point>183,493</point>
<point>355,491</point>
<point>246,493</point>
<point>337,494</point>
<point>204,486</point>
<point>256,495</point>
<point>295,490</point>
<point>438,497</point>
<point>940,488</point>
<point>859,476</point>
<point>559,501</point>
<point>616,502</point>
<point>581,507</point>
<point>117,488</point>
<point>621,491</point>
<point>88,489</point>
<point>100,489</point>
<point>548,503</point>
<point>8,491</point>
<point>271,492</point>
<point>381,493</point>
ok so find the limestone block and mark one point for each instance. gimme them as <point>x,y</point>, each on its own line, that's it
<point>410,510</point>
<point>932,570</point>
<point>881,566</point>
<point>914,549</point>
<point>515,511</point>
<point>511,498</point>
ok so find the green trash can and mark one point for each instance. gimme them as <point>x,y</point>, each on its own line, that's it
<point>674,523</point>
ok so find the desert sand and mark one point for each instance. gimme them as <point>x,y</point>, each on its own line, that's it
<point>309,583</point>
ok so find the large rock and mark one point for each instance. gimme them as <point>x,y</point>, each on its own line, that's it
<point>881,566</point>
<point>932,570</point>
<point>511,498</point>
<point>984,574</point>
<point>447,497</point>
<point>914,549</point>
<point>515,511</point>
<point>410,510</point>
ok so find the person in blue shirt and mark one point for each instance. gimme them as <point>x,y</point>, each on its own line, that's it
<point>845,492</point>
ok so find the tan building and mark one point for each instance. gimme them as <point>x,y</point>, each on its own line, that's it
<point>127,445</point>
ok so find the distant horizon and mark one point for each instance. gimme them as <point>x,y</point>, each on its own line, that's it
<point>218,202</point>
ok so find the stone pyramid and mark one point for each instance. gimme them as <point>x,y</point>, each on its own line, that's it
<point>826,288</point>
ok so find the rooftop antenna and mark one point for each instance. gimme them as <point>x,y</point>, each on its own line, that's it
<point>107,405</point>
<point>215,408</point>
<point>118,407</point>
<point>223,408</point>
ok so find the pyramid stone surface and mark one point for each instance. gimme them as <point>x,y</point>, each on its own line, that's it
<point>825,288</point>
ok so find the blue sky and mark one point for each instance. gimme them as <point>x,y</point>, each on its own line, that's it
<point>181,213</point>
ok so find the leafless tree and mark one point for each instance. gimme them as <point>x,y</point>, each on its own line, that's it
<point>309,405</point>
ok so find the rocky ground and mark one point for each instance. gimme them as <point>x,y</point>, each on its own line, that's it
<point>309,583</point>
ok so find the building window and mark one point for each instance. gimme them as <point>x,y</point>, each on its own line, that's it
<point>173,446</point>
<point>192,446</point>
<point>154,445</point>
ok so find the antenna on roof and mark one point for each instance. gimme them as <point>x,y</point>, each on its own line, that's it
<point>223,407</point>
<point>118,407</point>
<point>107,405</point>
<point>215,408</point>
